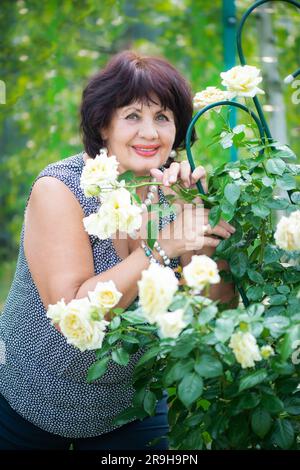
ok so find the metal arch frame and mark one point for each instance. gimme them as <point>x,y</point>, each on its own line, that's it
<point>260,120</point>
<point>243,60</point>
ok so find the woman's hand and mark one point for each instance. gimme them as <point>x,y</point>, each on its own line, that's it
<point>181,171</point>
<point>191,231</point>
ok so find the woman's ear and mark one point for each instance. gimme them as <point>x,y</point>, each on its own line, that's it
<point>103,134</point>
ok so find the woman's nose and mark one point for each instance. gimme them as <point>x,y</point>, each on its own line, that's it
<point>148,130</point>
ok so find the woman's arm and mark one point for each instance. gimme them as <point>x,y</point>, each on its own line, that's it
<point>59,252</point>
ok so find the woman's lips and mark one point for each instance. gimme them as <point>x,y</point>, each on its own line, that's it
<point>145,151</point>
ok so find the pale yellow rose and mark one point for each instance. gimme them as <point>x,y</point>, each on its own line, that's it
<point>101,172</point>
<point>171,324</point>
<point>78,327</point>
<point>287,235</point>
<point>156,290</point>
<point>242,80</point>
<point>200,271</point>
<point>55,311</point>
<point>266,351</point>
<point>127,215</point>
<point>105,295</point>
<point>102,224</point>
<point>245,349</point>
<point>210,95</point>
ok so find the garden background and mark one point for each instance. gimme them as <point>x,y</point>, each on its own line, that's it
<point>50,49</point>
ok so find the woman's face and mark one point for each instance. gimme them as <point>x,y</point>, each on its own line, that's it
<point>141,136</point>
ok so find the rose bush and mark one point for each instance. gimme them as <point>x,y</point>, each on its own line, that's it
<point>232,374</point>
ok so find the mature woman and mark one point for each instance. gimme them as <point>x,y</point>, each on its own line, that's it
<point>138,108</point>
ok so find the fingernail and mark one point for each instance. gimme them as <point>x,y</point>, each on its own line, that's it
<point>233,229</point>
<point>172,179</point>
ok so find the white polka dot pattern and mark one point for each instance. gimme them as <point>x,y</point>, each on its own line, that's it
<point>43,377</point>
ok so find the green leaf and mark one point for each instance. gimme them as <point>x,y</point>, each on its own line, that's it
<point>232,193</point>
<point>283,435</point>
<point>276,166</point>
<point>277,204</point>
<point>271,254</point>
<point>120,356</point>
<point>292,405</point>
<point>190,389</point>
<point>295,197</point>
<point>128,415</point>
<point>277,324</point>
<point>130,339</point>
<point>286,346</point>
<point>178,371</point>
<point>260,210</point>
<point>255,293</point>
<point>255,276</point>
<point>238,264</point>
<point>227,210</point>
<point>208,366</point>
<point>224,329</point>
<point>283,289</point>
<point>252,379</point>
<point>128,176</point>
<point>266,181</point>
<point>193,440</point>
<point>97,369</point>
<point>214,216</point>
<point>261,422</point>
<point>150,402</point>
<point>286,182</point>
<point>115,323</point>
<point>183,347</point>
<point>150,354</point>
<point>278,299</point>
<point>152,233</point>
<point>207,314</point>
<point>272,404</point>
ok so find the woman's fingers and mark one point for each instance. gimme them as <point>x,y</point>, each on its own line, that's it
<point>157,174</point>
<point>185,173</point>
<point>199,174</point>
<point>171,174</point>
<point>217,230</point>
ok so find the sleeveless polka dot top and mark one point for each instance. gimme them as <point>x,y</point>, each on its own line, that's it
<point>41,376</point>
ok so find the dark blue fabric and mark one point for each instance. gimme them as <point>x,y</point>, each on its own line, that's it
<point>16,433</point>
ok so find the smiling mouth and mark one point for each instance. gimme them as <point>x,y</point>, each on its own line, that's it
<point>146,151</point>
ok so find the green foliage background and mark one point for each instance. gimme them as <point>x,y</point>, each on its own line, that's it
<point>50,49</point>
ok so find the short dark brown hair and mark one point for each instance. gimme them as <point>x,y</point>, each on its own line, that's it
<point>126,78</point>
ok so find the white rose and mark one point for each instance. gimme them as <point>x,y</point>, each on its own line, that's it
<point>226,139</point>
<point>78,327</point>
<point>105,295</point>
<point>210,95</point>
<point>156,290</point>
<point>287,235</point>
<point>239,129</point>
<point>242,80</point>
<point>101,172</point>
<point>235,174</point>
<point>171,323</point>
<point>245,349</point>
<point>200,271</point>
<point>55,311</point>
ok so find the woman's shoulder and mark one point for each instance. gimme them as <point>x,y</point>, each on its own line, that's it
<point>68,165</point>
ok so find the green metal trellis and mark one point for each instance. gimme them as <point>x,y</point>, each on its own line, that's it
<point>260,120</point>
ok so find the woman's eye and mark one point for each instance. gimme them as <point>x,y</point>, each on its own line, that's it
<point>162,117</point>
<point>132,116</point>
